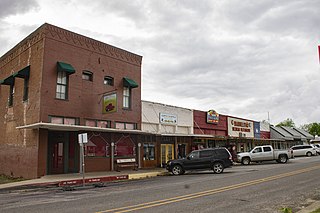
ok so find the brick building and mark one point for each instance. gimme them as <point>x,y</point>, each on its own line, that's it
<point>56,84</point>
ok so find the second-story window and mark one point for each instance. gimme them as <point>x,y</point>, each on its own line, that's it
<point>126,97</point>
<point>87,75</point>
<point>62,85</point>
<point>108,80</point>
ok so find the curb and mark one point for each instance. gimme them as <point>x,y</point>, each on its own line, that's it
<point>314,206</point>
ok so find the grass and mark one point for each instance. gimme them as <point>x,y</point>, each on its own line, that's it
<point>316,211</point>
<point>6,179</point>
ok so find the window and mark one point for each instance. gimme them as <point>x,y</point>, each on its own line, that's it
<point>126,97</point>
<point>206,153</point>
<point>63,120</point>
<point>98,123</point>
<point>11,95</point>
<point>148,151</point>
<point>256,150</point>
<point>87,75</point>
<point>97,146</point>
<point>267,149</point>
<point>62,85</point>
<point>25,89</point>
<point>131,126</point>
<point>108,80</point>
<point>194,155</point>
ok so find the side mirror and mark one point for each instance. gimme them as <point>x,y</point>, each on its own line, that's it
<point>188,158</point>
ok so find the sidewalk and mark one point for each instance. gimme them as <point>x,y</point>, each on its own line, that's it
<point>76,179</point>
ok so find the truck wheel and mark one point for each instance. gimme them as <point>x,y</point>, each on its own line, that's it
<point>218,168</point>
<point>309,154</point>
<point>282,159</point>
<point>245,161</point>
<point>177,170</point>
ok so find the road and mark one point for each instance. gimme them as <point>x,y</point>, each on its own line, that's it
<point>262,187</point>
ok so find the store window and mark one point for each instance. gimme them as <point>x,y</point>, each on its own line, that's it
<point>125,147</point>
<point>97,146</point>
<point>148,151</point>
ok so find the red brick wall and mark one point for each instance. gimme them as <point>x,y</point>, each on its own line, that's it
<point>19,148</point>
<point>86,97</point>
<point>202,127</point>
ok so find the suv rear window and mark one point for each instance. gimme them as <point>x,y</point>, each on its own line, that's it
<point>222,153</point>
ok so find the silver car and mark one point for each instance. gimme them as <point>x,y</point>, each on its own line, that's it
<point>303,150</point>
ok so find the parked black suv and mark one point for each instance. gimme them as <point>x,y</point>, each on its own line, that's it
<point>216,159</point>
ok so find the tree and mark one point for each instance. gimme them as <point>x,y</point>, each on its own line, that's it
<point>312,128</point>
<point>288,122</point>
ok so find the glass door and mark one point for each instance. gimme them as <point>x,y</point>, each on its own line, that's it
<point>166,153</point>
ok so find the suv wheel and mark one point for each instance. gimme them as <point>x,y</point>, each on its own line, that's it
<point>177,170</point>
<point>245,161</point>
<point>309,154</point>
<point>218,168</point>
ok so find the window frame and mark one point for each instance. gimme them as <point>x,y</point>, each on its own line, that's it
<point>126,102</point>
<point>60,76</point>
<point>87,73</point>
<point>108,80</point>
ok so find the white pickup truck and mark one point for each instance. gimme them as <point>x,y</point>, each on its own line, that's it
<point>264,153</point>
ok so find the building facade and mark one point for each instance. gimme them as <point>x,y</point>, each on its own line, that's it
<point>56,84</point>
<point>171,130</point>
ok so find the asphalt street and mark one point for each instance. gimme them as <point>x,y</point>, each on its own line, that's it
<point>265,187</point>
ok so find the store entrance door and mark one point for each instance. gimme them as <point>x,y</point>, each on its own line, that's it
<point>166,153</point>
<point>57,158</point>
<point>58,146</point>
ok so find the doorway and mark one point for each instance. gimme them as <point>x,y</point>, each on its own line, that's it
<point>58,148</point>
<point>166,153</point>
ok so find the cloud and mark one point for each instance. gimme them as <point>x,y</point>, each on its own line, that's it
<point>12,7</point>
<point>238,57</point>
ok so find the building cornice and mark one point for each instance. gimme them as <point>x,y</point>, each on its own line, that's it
<point>90,44</point>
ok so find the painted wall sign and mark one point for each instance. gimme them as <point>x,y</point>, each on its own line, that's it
<point>212,117</point>
<point>109,103</point>
<point>168,119</point>
<point>240,128</point>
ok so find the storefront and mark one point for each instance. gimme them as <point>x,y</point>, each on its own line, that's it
<point>171,127</point>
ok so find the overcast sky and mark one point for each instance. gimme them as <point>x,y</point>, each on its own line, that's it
<point>243,58</point>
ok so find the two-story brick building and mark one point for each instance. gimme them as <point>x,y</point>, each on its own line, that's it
<point>56,84</point>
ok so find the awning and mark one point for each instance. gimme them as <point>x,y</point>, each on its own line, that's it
<point>127,82</point>
<point>7,81</point>
<point>24,73</point>
<point>66,127</point>
<point>279,133</point>
<point>65,67</point>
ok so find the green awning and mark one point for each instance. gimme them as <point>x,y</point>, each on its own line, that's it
<point>127,82</point>
<point>24,73</point>
<point>65,67</point>
<point>7,81</point>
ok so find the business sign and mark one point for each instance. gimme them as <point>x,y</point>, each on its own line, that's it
<point>168,119</point>
<point>109,103</point>
<point>212,117</point>
<point>240,128</point>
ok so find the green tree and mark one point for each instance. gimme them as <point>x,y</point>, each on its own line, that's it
<point>314,129</point>
<point>288,122</point>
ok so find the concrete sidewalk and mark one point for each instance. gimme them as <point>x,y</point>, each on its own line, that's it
<point>75,179</point>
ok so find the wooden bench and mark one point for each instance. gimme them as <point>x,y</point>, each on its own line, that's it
<point>126,162</point>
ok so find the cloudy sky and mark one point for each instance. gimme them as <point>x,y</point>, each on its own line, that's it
<point>239,57</point>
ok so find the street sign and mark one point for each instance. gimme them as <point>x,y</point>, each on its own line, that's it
<point>83,138</point>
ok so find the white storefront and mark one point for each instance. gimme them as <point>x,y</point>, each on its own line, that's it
<point>165,119</point>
